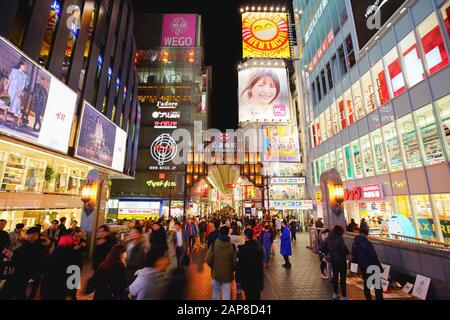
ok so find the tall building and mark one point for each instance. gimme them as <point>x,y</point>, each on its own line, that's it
<point>174,89</point>
<point>376,105</point>
<point>68,105</point>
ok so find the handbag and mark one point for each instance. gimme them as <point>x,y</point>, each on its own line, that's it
<point>6,270</point>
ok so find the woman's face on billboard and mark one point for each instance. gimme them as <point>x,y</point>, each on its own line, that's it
<point>264,91</point>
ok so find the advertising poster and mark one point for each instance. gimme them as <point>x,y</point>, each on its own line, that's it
<point>100,140</point>
<point>281,144</point>
<point>31,107</point>
<point>265,34</point>
<point>421,286</point>
<point>264,95</point>
<point>179,30</point>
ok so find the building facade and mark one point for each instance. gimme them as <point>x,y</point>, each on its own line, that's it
<point>376,106</point>
<point>174,89</point>
<point>68,105</point>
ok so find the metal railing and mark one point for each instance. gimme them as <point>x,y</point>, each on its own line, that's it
<point>421,241</point>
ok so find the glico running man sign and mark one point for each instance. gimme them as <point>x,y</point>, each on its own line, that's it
<point>265,35</point>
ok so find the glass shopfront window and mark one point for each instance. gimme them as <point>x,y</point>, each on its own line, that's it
<point>359,103</point>
<point>328,126</point>
<point>443,109</point>
<point>377,215</point>
<point>367,156</point>
<point>368,92</point>
<point>411,60</point>
<point>397,82</point>
<point>441,204</point>
<point>327,162</point>
<point>322,165</point>
<point>424,217</point>
<point>323,127</point>
<point>341,163</point>
<point>333,163</point>
<point>429,137</point>
<point>378,152</point>
<point>342,115</point>
<point>318,132</point>
<point>357,159</point>
<point>445,12</point>
<point>410,142</point>
<point>381,83</point>
<point>349,162</point>
<point>433,44</point>
<point>394,155</point>
<point>401,222</point>
<point>334,118</point>
<point>349,107</point>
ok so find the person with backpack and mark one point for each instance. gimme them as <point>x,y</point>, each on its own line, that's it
<point>337,254</point>
<point>221,258</point>
<point>266,240</point>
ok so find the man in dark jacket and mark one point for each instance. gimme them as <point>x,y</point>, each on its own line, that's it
<point>293,228</point>
<point>191,233</point>
<point>337,252</point>
<point>202,231</point>
<point>364,255</point>
<point>249,267</point>
<point>27,261</point>
<point>213,235</point>
<point>180,243</point>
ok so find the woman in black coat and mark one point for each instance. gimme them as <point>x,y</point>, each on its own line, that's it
<point>103,245</point>
<point>109,280</point>
<point>158,240</point>
<point>337,253</point>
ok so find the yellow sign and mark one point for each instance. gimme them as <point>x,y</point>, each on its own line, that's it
<point>161,184</point>
<point>318,196</point>
<point>265,34</point>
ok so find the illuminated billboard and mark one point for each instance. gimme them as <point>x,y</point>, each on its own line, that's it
<point>264,95</point>
<point>265,34</point>
<point>281,144</point>
<point>179,30</point>
<point>100,141</point>
<point>34,106</point>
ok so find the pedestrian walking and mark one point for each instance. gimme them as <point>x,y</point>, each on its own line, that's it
<point>80,250</point>
<point>191,233</point>
<point>180,243</point>
<point>364,254</point>
<point>103,245</point>
<point>337,255</point>
<point>266,240</point>
<point>249,267</point>
<point>202,231</point>
<point>285,245</point>
<point>237,240</point>
<point>135,253</point>
<point>158,240</point>
<point>221,258</point>
<point>214,233</point>
<point>293,229</point>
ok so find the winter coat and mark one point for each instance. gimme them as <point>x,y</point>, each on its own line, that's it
<point>336,248</point>
<point>148,284</point>
<point>202,227</point>
<point>364,254</point>
<point>285,248</point>
<point>158,242</point>
<point>221,258</point>
<point>212,236</point>
<point>102,251</point>
<point>135,260</point>
<point>174,241</point>
<point>28,259</point>
<point>110,286</point>
<point>250,266</point>
<point>265,238</point>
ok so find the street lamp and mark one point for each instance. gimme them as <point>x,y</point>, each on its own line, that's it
<point>88,193</point>
<point>339,193</point>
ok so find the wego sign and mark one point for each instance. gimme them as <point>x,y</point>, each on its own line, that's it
<point>179,30</point>
<point>265,34</point>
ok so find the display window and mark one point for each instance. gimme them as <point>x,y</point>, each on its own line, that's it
<point>328,126</point>
<point>394,155</point>
<point>287,192</point>
<point>341,163</point>
<point>443,110</point>
<point>441,204</point>
<point>357,159</point>
<point>409,142</point>
<point>381,83</point>
<point>323,127</point>
<point>342,115</point>
<point>366,152</point>
<point>349,163</point>
<point>318,132</point>
<point>368,92</point>
<point>357,98</point>
<point>333,163</point>
<point>433,44</point>
<point>378,152</point>
<point>429,136</point>
<point>31,218</point>
<point>412,62</point>
<point>327,162</point>
<point>396,80</point>
<point>349,107</point>
<point>378,215</point>
<point>424,217</point>
<point>322,165</point>
<point>445,12</point>
<point>401,223</point>
<point>334,118</point>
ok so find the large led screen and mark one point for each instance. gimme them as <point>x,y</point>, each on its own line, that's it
<point>34,106</point>
<point>281,144</point>
<point>100,141</point>
<point>264,95</point>
<point>265,34</point>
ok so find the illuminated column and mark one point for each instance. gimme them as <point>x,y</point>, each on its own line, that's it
<point>332,199</point>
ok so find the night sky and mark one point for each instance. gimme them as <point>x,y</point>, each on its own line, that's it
<point>223,46</point>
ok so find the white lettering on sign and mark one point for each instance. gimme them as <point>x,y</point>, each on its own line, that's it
<point>178,42</point>
<point>316,18</point>
<point>166,105</point>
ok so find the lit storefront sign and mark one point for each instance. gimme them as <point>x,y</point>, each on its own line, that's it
<point>161,184</point>
<point>292,205</point>
<point>265,34</point>
<point>318,196</point>
<point>166,115</point>
<point>138,209</point>
<point>179,30</point>
<point>166,105</point>
<point>316,18</point>
<point>299,180</point>
<point>321,51</point>
<point>166,124</point>
<point>367,192</point>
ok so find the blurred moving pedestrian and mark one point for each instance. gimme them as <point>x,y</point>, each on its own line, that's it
<point>364,254</point>
<point>285,246</point>
<point>180,243</point>
<point>221,258</point>
<point>103,245</point>
<point>135,253</point>
<point>237,240</point>
<point>176,284</point>
<point>266,241</point>
<point>202,231</point>
<point>249,267</point>
<point>337,252</point>
<point>293,229</point>
<point>110,278</point>
<point>80,250</point>
<point>149,283</point>
<point>158,240</point>
<point>191,233</point>
<point>319,223</point>
<point>214,234</point>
